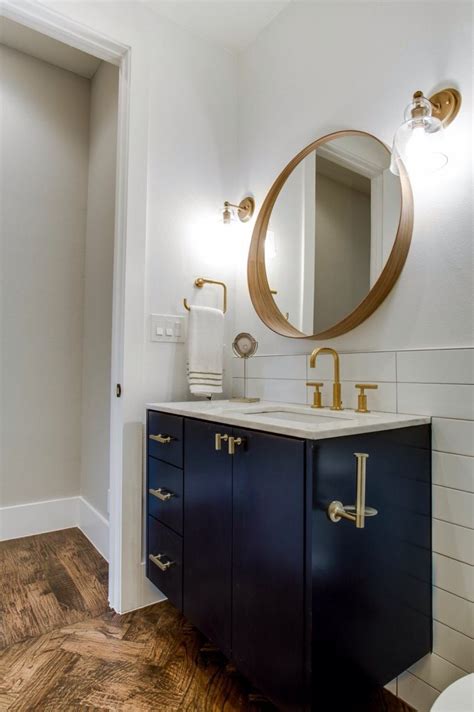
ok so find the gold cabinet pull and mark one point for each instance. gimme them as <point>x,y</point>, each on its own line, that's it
<point>163,439</point>
<point>218,440</point>
<point>358,512</point>
<point>162,565</point>
<point>362,397</point>
<point>162,494</point>
<point>233,442</point>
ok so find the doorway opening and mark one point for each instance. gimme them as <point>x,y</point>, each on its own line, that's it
<point>64,148</point>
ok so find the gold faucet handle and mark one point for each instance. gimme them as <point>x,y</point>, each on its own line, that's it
<point>362,397</point>
<point>317,396</point>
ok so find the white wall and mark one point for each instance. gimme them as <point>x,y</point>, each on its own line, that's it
<point>321,67</point>
<point>98,275</point>
<point>182,164</point>
<point>44,146</point>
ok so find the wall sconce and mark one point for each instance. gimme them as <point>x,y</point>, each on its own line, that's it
<point>244,209</point>
<point>419,141</point>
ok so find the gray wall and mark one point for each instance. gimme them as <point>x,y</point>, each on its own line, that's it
<point>342,253</point>
<point>58,143</point>
<point>98,287</point>
<point>44,145</point>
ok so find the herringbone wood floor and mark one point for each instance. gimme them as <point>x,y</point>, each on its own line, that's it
<point>74,654</point>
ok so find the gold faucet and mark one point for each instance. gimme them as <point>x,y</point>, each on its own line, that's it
<point>336,388</point>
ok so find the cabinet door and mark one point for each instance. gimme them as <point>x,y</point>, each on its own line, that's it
<point>268,564</point>
<point>207,532</point>
<point>371,606</point>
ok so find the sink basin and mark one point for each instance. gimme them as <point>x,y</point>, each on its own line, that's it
<point>304,415</point>
<point>291,415</point>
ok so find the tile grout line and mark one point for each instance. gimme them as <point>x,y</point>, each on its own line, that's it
<point>469,637</point>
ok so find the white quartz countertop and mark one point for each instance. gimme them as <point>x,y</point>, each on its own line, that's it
<point>298,421</point>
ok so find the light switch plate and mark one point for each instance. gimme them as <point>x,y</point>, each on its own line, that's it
<point>167,328</point>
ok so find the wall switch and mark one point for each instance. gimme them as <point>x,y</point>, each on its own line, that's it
<point>170,328</point>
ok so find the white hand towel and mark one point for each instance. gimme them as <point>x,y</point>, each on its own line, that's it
<point>205,350</point>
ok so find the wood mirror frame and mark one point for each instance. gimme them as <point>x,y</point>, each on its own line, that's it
<point>259,288</point>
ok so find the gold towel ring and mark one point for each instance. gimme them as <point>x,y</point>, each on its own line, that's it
<point>200,282</point>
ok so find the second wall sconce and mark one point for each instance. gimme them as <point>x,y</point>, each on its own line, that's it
<point>419,141</point>
<point>244,210</point>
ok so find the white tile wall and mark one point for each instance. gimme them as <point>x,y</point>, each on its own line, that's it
<point>435,366</point>
<point>454,611</point>
<point>455,471</point>
<point>453,436</point>
<point>436,382</point>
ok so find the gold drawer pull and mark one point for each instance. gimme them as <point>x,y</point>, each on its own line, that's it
<point>162,565</point>
<point>218,440</point>
<point>233,442</point>
<point>162,494</point>
<point>163,439</point>
<point>358,512</point>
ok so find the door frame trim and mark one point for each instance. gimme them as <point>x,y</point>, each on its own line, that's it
<point>62,28</point>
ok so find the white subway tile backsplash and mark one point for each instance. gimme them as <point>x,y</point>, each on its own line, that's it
<point>453,576</point>
<point>293,367</point>
<point>456,471</point>
<point>436,366</point>
<point>272,389</point>
<point>436,671</point>
<point>451,540</point>
<point>448,401</point>
<point>453,646</point>
<point>363,367</point>
<point>237,367</point>
<point>453,506</point>
<point>454,436</point>
<point>454,611</point>
<point>416,693</point>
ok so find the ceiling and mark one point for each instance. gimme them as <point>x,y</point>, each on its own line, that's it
<point>23,39</point>
<point>232,24</point>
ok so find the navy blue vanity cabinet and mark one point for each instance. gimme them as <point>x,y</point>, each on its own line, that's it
<point>208,531</point>
<point>369,590</point>
<point>268,627</point>
<point>164,497</point>
<point>310,610</point>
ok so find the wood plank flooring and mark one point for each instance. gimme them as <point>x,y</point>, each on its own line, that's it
<point>47,582</point>
<point>142,661</point>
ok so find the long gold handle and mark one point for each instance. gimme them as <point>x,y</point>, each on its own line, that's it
<point>358,512</point>
<point>218,438</point>
<point>233,442</point>
<point>162,565</point>
<point>163,439</point>
<point>162,494</point>
<point>360,489</point>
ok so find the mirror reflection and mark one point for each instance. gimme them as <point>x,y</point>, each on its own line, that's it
<point>331,231</point>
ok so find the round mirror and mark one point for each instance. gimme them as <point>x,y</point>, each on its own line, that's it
<point>331,238</point>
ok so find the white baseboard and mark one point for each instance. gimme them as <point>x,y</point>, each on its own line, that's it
<point>38,517</point>
<point>95,527</point>
<point>22,520</point>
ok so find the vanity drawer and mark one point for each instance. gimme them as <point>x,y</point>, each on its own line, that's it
<point>165,493</point>
<point>164,561</point>
<point>165,437</point>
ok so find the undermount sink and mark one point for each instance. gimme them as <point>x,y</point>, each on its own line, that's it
<point>295,414</point>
